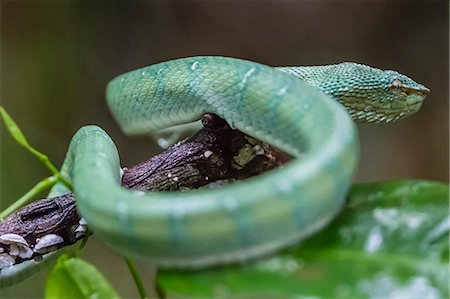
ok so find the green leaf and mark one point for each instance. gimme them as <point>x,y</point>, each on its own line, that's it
<point>75,278</point>
<point>390,241</point>
<point>13,128</point>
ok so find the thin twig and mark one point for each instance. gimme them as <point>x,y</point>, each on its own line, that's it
<point>137,278</point>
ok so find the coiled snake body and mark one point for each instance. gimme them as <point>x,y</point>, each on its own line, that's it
<point>248,218</point>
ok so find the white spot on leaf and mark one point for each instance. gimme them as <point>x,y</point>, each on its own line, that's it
<point>387,217</point>
<point>374,240</point>
<point>387,287</point>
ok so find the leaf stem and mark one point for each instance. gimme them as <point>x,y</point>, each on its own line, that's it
<point>137,278</point>
<point>46,161</point>
<point>83,243</point>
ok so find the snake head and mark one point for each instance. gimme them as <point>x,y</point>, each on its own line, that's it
<point>406,95</point>
<point>374,95</point>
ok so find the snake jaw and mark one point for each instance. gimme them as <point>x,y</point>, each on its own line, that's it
<point>384,110</point>
<point>408,100</point>
<point>401,98</point>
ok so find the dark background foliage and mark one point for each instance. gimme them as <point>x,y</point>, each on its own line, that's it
<point>57,57</point>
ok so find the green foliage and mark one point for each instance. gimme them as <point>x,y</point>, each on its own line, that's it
<point>74,278</point>
<point>390,241</point>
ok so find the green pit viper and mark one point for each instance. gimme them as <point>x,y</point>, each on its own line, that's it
<point>293,108</point>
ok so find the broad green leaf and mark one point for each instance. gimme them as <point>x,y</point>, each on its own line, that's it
<point>74,278</point>
<point>390,241</point>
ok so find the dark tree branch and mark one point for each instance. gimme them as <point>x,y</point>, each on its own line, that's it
<point>214,156</point>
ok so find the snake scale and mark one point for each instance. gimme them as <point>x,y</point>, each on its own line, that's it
<point>293,108</point>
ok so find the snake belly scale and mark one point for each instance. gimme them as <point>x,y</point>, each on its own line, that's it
<point>250,218</point>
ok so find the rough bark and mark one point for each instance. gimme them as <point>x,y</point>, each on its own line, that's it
<point>216,155</point>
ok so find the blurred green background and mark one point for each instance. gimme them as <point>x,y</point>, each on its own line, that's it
<point>56,59</point>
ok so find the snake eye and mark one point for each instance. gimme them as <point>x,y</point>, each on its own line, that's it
<point>397,83</point>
